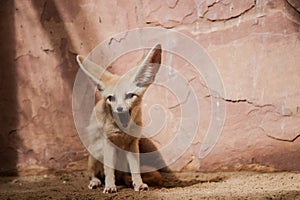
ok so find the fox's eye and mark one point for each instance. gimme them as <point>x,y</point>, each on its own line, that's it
<point>130,95</point>
<point>111,98</point>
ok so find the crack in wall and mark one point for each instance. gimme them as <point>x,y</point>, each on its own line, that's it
<point>187,15</point>
<point>25,55</point>
<point>187,163</point>
<point>246,101</point>
<point>254,105</point>
<point>228,18</point>
<point>219,26</point>
<point>167,24</point>
<point>117,40</point>
<point>47,50</point>
<point>259,107</point>
<point>182,102</point>
<point>156,23</point>
<point>175,5</point>
<point>284,140</point>
<point>210,6</point>
<point>187,96</point>
<point>294,6</point>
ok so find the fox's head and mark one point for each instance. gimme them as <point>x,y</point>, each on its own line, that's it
<point>123,94</point>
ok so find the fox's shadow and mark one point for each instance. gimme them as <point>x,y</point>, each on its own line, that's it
<point>169,179</point>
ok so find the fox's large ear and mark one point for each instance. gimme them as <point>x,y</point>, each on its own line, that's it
<point>149,67</point>
<point>94,71</point>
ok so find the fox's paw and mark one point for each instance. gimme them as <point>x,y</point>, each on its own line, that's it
<point>141,187</point>
<point>94,183</point>
<point>110,189</point>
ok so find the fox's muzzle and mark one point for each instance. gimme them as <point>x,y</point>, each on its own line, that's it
<point>122,118</point>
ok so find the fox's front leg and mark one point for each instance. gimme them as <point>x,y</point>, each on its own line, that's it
<point>134,164</point>
<point>109,158</point>
<point>94,168</point>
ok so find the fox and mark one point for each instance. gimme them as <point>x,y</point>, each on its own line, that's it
<point>114,126</point>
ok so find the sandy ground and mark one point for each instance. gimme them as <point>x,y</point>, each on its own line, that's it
<point>224,185</point>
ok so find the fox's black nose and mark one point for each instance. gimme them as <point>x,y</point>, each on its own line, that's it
<point>119,109</point>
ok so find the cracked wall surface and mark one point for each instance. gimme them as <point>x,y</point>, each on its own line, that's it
<point>254,44</point>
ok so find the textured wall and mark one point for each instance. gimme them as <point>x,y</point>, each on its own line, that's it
<point>254,44</point>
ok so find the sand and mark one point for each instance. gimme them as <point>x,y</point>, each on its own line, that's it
<point>187,185</point>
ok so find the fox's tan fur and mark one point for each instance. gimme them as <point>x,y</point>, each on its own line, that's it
<point>110,125</point>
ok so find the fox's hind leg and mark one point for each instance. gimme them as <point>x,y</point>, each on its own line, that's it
<point>95,169</point>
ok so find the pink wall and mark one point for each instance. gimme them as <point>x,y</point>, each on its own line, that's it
<point>254,45</point>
